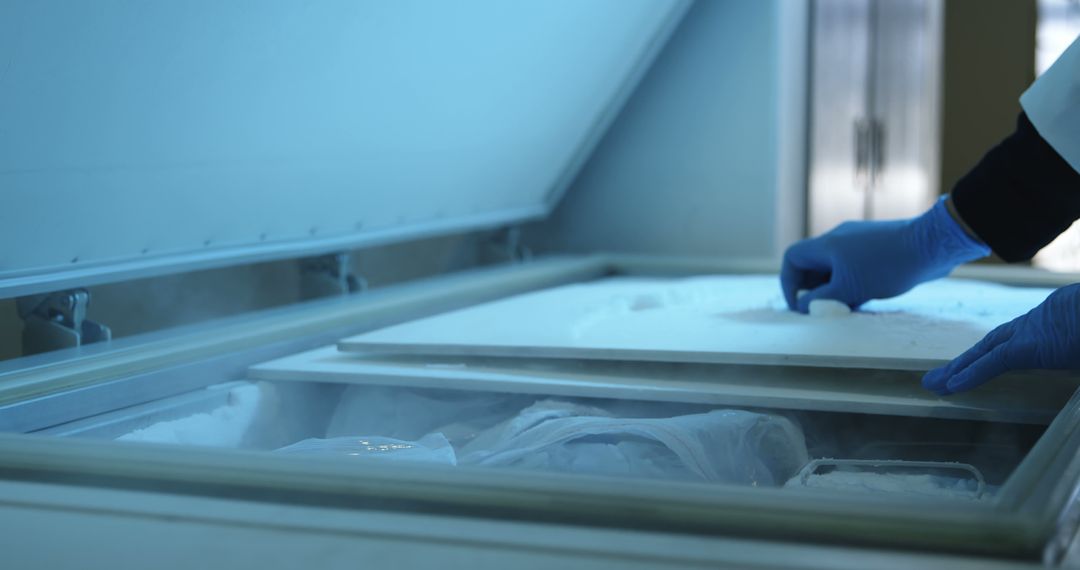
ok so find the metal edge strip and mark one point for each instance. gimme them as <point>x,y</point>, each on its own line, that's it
<point>14,284</point>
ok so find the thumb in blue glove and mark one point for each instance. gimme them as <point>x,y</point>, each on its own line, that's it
<point>1047,337</point>
<point>859,261</point>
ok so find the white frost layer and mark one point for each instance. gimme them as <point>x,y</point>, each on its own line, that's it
<point>892,483</point>
<point>222,427</point>
<point>702,318</point>
<point>715,313</point>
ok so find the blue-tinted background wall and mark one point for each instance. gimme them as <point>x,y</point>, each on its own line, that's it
<point>706,158</point>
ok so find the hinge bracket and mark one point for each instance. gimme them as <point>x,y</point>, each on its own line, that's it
<point>53,321</point>
<point>328,275</point>
<point>507,245</point>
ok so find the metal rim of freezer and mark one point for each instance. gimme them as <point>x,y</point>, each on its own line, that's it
<point>1034,516</point>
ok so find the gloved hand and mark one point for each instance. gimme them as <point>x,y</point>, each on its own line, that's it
<point>859,261</point>
<point>1047,337</point>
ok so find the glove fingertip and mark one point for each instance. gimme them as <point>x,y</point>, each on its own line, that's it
<point>789,283</point>
<point>789,295</point>
<point>935,379</point>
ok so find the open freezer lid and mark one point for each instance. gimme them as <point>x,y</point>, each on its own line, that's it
<point>142,138</point>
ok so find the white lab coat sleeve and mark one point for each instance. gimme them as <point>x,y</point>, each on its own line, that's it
<point>1052,104</point>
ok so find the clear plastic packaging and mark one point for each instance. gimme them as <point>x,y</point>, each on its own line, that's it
<point>411,414</point>
<point>593,437</point>
<point>730,446</point>
<point>432,448</point>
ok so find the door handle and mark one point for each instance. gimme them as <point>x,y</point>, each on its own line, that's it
<point>862,153</point>
<point>877,150</point>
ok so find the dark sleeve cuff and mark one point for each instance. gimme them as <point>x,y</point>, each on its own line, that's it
<point>1020,196</point>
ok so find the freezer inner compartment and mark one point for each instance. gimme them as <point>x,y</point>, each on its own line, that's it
<point>846,452</point>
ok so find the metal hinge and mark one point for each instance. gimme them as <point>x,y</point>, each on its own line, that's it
<point>506,245</point>
<point>58,320</point>
<point>328,275</point>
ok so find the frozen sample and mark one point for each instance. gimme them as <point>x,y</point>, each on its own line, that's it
<point>824,307</point>
<point>222,427</point>
<point>828,308</point>
<point>730,446</point>
<point>432,448</point>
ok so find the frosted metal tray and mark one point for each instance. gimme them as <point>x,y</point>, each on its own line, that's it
<point>1015,398</point>
<point>713,319</point>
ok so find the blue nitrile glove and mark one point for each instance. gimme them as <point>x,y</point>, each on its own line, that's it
<point>1047,337</point>
<point>859,261</point>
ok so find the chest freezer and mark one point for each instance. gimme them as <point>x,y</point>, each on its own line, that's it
<point>803,450</point>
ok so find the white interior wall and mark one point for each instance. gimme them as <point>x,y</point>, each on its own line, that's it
<point>707,156</point>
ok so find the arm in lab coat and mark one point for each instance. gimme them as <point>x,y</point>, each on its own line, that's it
<point>1020,196</point>
<point>1026,190</point>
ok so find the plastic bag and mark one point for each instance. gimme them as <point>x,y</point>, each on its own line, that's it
<point>410,414</point>
<point>731,446</point>
<point>432,448</point>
